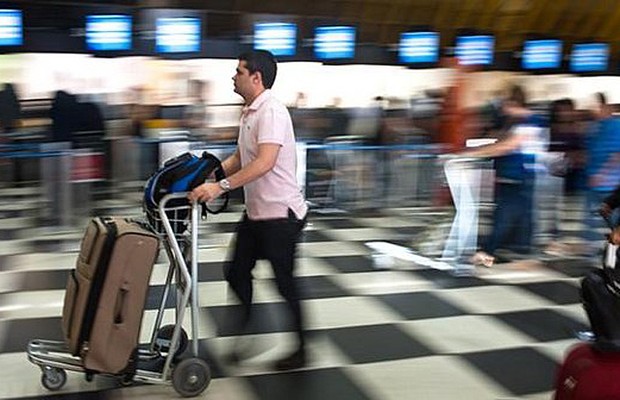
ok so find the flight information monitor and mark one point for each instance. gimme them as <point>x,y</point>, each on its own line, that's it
<point>418,47</point>
<point>11,28</point>
<point>334,42</point>
<point>475,49</point>
<point>589,57</point>
<point>542,54</point>
<point>277,37</point>
<point>108,32</point>
<point>177,35</point>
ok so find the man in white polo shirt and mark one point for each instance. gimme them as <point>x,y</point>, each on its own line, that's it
<point>264,163</point>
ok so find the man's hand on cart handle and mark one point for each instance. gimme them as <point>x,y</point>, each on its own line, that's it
<point>206,192</point>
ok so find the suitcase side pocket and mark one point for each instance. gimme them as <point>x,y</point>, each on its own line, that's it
<point>68,309</point>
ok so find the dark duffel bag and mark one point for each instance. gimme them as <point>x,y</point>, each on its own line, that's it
<point>601,301</point>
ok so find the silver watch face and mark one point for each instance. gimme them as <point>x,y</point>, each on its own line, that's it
<point>224,184</point>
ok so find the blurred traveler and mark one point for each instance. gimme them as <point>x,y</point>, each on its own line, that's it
<point>602,169</point>
<point>514,155</point>
<point>10,109</point>
<point>196,117</point>
<point>264,163</point>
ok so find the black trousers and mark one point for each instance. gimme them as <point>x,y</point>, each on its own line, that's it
<point>275,241</point>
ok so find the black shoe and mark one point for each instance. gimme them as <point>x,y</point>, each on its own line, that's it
<point>294,360</point>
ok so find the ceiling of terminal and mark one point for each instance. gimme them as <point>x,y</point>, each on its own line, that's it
<point>381,21</point>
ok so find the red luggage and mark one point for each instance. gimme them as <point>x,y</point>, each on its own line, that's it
<point>587,374</point>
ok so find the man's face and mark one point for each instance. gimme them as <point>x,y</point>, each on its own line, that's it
<point>243,80</point>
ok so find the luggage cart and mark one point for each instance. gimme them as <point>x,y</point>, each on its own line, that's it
<point>177,227</point>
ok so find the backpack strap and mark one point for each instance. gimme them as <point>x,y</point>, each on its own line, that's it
<point>219,175</point>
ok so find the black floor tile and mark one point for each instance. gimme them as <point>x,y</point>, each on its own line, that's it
<point>210,271</point>
<point>409,231</point>
<point>575,268</point>
<point>319,287</point>
<point>444,280</point>
<point>155,294</point>
<point>221,227</point>
<point>376,343</point>
<point>348,264</point>
<point>542,325</point>
<point>318,384</point>
<point>19,332</point>
<point>39,280</point>
<point>266,318</point>
<point>521,371</point>
<point>9,234</point>
<point>343,223</point>
<point>315,236</point>
<point>420,305</point>
<point>557,292</point>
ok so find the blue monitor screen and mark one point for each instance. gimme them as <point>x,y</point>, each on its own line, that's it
<point>108,32</point>
<point>542,54</point>
<point>589,57</point>
<point>11,28</point>
<point>177,35</point>
<point>418,47</point>
<point>334,42</point>
<point>279,38</point>
<point>475,50</point>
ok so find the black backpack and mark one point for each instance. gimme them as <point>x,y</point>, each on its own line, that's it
<point>180,174</point>
<point>600,296</point>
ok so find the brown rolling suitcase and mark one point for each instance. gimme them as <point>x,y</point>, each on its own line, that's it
<point>106,293</point>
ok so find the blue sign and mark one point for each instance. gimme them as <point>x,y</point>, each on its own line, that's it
<point>334,42</point>
<point>475,50</point>
<point>108,32</point>
<point>279,38</point>
<point>542,54</point>
<point>418,47</point>
<point>589,57</point>
<point>11,28</point>
<point>177,35</point>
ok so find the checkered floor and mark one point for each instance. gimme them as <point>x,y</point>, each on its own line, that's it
<point>403,332</point>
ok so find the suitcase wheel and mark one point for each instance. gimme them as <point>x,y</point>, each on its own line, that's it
<point>164,337</point>
<point>53,378</point>
<point>191,377</point>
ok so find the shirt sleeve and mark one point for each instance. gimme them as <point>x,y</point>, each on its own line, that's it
<point>272,126</point>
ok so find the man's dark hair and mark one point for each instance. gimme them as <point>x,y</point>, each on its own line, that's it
<point>261,61</point>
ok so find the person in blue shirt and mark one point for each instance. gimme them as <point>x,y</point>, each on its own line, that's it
<point>602,170</point>
<point>514,155</point>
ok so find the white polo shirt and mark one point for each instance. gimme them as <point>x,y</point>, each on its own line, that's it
<point>267,120</point>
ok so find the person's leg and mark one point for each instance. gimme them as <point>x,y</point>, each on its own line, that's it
<point>238,272</point>
<point>279,245</point>
<point>501,218</point>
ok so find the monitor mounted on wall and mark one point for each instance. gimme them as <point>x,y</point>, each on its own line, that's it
<point>542,54</point>
<point>177,34</point>
<point>418,47</point>
<point>334,42</point>
<point>589,57</point>
<point>475,49</point>
<point>11,28</point>
<point>108,32</point>
<point>280,38</point>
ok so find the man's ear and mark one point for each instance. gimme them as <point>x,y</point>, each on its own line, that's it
<point>257,77</point>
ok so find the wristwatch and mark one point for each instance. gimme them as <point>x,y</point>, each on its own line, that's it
<point>224,185</point>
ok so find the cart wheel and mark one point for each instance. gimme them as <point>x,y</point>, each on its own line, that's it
<point>191,377</point>
<point>53,378</point>
<point>126,380</point>
<point>164,337</point>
